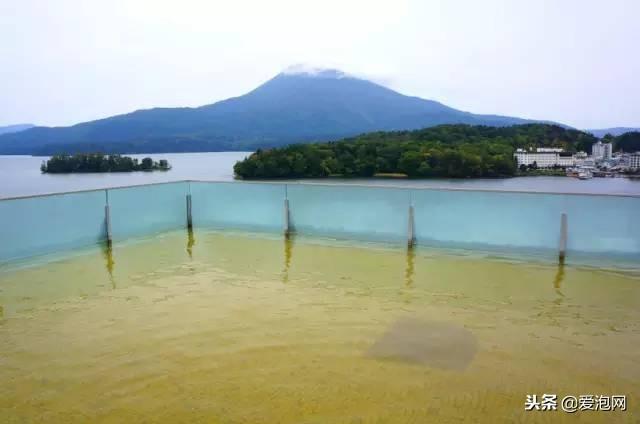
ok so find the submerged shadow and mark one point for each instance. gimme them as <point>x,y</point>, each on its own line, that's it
<point>434,344</point>
<point>191,241</point>
<point>109,263</point>
<point>288,253</point>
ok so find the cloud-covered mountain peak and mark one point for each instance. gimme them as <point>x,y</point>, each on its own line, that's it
<point>314,71</point>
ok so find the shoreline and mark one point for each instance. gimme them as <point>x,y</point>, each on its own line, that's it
<point>22,178</point>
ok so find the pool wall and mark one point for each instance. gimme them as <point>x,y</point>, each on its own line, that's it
<point>603,225</point>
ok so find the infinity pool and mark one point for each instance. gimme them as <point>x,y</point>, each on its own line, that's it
<point>240,328</point>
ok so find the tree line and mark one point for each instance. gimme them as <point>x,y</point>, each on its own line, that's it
<point>98,162</point>
<point>628,142</point>
<point>451,151</point>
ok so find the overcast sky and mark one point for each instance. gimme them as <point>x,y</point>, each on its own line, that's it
<point>69,61</point>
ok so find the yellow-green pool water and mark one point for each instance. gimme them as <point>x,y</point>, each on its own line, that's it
<point>237,328</point>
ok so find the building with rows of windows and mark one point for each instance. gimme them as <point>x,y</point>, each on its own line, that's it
<point>602,151</point>
<point>545,157</point>
<point>634,161</point>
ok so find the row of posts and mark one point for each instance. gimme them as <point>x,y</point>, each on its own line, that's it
<point>107,217</point>
<point>411,239</point>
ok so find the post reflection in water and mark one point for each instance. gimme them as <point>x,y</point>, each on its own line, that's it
<point>557,281</point>
<point>288,251</point>
<point>408,274</point>
<point>191,241</point>
<point>107,252</point>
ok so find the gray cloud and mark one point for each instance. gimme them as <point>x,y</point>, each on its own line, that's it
<point>68,61</point>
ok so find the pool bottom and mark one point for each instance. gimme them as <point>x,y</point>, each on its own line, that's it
<point>233,328</point>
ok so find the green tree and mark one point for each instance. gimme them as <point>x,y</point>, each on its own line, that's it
<point>146,164</point>
<point>628,142</point>
<point>409,163</point>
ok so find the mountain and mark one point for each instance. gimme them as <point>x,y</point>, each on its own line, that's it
<point>294,106</point>
<point>613,131</point>
<point>15,128</point>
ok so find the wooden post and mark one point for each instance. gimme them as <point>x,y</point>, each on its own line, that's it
<point>286,217</point>
<point>189,219</point>
<point>411,238</point>
<point>563,238</point>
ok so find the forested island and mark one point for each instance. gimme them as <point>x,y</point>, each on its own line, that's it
<point>448,151</point>
<point>98,162</point>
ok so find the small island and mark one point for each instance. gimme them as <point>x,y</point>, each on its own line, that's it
<point>98,162</point>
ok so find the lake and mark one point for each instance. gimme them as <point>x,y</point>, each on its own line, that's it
<point>21,176</point>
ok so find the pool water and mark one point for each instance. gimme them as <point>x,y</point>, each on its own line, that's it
<point>240,328</point>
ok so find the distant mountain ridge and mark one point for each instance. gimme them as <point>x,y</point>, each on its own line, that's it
<point>294,106</point>
<point>616,131</point>
<point>15,128</point>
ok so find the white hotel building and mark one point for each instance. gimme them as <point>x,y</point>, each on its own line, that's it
<point>545,157</point>
<point>634,161</point>
<point>602,151</point>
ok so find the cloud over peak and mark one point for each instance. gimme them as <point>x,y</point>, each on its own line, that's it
<point>314,71</point>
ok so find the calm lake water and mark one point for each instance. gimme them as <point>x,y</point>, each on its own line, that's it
<point>242,328</point>
<point>20,176</point>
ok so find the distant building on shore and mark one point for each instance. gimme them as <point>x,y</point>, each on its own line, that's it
<point>545,157</point>
<point>601,151</point>
<point>580,157</point>
<point>634,161</point>
<point>601,161</point>
<point>549,150</point>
